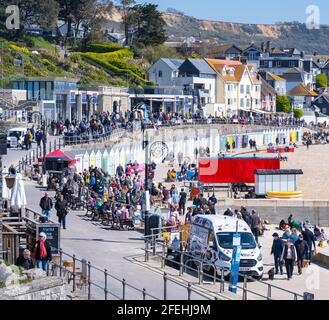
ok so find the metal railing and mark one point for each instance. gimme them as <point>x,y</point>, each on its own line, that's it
<point>152,243</point>
<point>100,284</point>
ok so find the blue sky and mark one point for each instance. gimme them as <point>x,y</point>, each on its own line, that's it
<point>252,11</point>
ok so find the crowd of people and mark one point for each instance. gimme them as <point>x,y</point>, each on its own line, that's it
<point>297,245</point>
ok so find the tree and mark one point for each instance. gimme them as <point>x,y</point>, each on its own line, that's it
<point>298,113</point>
<point>77,13</point>
<point>283,104</point>
<point>126,7</point>
<point>147,26</point>
<point>321,81</point>
<point>42,13</point>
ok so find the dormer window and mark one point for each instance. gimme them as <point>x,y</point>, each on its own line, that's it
<point>231,71</point>
<point>224,72</point>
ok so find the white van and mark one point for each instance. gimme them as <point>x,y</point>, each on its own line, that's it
<point>211,240</point>
<point>19,133</point>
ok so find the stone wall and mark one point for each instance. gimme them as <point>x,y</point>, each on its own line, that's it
<point>317,211</point>
<point>49,288</point>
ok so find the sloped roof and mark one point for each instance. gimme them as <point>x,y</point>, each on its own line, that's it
<point>267,89</point>
<point>275,77</point>
<point>239,68</point>
<point>293,71</point>
<point>302,91</point>
<point>202,66</point>
<point>218,65</point>
<point>173,63</point>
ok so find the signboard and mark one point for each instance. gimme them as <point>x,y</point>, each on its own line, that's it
<point>53,236</point>
<point>78,164</point>
<point>235,265</point>
<point>146,201</point>
<point>84,98</point>
<point>13,142</point>
<point>94,100</point>
<point>72,97</point>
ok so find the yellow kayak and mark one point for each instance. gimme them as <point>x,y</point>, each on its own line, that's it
<point>285,195</point>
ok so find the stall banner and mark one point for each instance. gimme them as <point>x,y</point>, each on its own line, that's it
<point>234,170</point>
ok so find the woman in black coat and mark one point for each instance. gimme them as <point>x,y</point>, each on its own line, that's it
<point>61,209</point>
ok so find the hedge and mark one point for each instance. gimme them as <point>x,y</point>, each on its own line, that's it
<point>114,69</point>
<point>104,47</point>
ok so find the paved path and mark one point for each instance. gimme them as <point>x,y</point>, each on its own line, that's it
<point>119,252</point>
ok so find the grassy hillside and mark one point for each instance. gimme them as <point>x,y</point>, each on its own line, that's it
<point>103,64</point>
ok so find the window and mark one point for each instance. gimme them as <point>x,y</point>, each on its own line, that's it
<point>248,89</point>
<point>248,103</point>
<point>252,56</point>
<point>324,110</point>
<point>232,72</point>
<point>242,103</point>
<point>242,88</point>
<point>291,64</point>
<point>225,240</point>
<point>229,101</point>
<point>278,64</point>
<point>160,73</point>
<point>320,100</point>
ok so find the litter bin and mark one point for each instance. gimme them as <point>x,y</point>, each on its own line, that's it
<point>154,222</point>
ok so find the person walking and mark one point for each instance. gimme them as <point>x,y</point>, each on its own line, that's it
<point>46,205</point>
<point>60,207</point>
<point>255,222</point>
<point>277,248</point>
<point>301,249</point>
<point>310,239</point>
<point>182,201</point>
<point>42,252</point>
<point>289,256</point>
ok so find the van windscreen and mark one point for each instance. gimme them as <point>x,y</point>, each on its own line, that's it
<point>225,240</point>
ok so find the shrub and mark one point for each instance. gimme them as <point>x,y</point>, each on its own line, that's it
<point>50,66</point>
<point>298,113</point>
<point>19,49</point>
<point>104,47</point>
<point>75,57</point>
<point>283,104</point>
<point>321,81</point>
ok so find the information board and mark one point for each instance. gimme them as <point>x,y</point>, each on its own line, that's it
<point>53,236</point>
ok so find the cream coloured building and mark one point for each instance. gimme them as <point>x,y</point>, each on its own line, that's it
<point>238,86</point>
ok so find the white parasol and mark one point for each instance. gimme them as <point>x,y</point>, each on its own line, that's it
<point>5,190</point>
<point>18,197</point>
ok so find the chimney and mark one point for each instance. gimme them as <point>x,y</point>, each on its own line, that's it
<point>316,53</point>
<point>262,47</point>
<point>302,55</point>
<point>268,46</point>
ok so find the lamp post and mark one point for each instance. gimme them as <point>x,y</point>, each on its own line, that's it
<point>146,184</point>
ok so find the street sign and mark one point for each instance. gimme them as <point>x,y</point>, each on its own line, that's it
<point>235,264</point>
